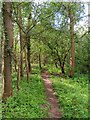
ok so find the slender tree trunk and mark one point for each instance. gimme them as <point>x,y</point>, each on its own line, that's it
<point>1,50</point>
<point>28,42</point>
<point>56,65</point>
<point>8,28</point>
<point>21,45</point>
<point>27,71</point>
<point>15,60</point>
<point>72,44</point>
<point>0,72</point>
<point>61,63</point>
<point>0,59</point>
<point>28,54</point>
<point>1,87</point>
<point>40,65</point>
<point>62,69</point>
<point>26,64</point>
<point>21,58</point>
<point>18,77</point>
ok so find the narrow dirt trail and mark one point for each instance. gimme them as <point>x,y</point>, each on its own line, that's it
<point>52,99</point>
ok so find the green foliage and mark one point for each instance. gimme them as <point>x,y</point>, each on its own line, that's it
<point>82,54</point>
<point>73,96</point>
<point>28,102</point>
<point>49,31</point>
<point>35,69</point>
<point>53,69</point>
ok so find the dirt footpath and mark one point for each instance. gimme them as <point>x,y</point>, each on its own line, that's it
<point>52,99</point>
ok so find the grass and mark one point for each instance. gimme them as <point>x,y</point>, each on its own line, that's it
<point>28,102</point>
<point>73,96</point>
<point>72,93</point>
<point>35,69</point>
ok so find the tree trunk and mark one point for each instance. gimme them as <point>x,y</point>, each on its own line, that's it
<point>61,64</point>
<point>21,56</point>
<point>1,50</point>
<point>1,87</point>
<point>21,45</point>
<point>55,62</point>
<point>0,70</point>
<point>40,65</point>
<point>28,54</point>
<point>0,59</point>
<point>18,77</point>
<point>62,69</point>
<point>56,65</point>
<point>26,65</point>
<point>7,21</point>
<point>72,62</point>
<point>15,57</point>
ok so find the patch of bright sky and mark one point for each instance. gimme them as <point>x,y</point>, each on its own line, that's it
<point>82,25</point>
<point>84,21</point>
<point>85,1</point>
<point>41,1</point>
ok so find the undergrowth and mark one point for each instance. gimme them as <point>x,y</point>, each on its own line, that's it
<point>28,102</point>
<point>73,96</point>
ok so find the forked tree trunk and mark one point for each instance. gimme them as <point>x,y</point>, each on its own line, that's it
<point>7,21</point>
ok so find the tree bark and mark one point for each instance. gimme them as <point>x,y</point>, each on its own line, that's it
<point>18,77</point>
<point>28,54</point>
<point>26,65</point>
<point>0,59</point>
<point>62,69</point>
<point>21,45</point>
<point>8,28</point>
<point>15,57</point>
<point>40,65</point>
<point>61,64</point>
<point>0,68</point>
<point>72,62</point>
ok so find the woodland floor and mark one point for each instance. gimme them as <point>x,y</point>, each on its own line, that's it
<point>48,95</point>
<point>54,111</point>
